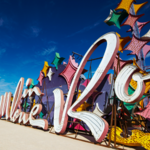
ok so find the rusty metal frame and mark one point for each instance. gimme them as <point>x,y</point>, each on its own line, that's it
<point>95,143</point>
<point>76,132</point>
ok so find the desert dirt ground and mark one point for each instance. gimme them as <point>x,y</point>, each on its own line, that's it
<point>20,137</point>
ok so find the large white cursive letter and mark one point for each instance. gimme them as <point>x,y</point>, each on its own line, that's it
<point>97,125</point>
<point>122,83</point>
<point>5,105</point>
<point>43,123</point>
<point>17,97</point>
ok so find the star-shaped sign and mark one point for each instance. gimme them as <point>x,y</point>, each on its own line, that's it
<point>69,71</point>
<point>137,7</point>
<point>123,42</point>
<point>46,66</point>
<point>125,4</point>
<point>40,79</point>
<point>136,45</point>
<point>57,60</point>
<point>140,26</point>
<point>83,107</point>
<point>116,18</point>
<point>50,73</point>
<point>145,112</point>
<point>131,20</point>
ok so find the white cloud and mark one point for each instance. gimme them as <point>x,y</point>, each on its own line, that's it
<point>49,51</point>
<point>7,22</point>
<point>35,31</point>
<point>52,42</point>
<point>32,31</point>
<point>86,28</point>
<point>147,6</point>
<point>6,87</point>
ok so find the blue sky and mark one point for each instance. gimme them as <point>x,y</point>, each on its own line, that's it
<point>31,31</point>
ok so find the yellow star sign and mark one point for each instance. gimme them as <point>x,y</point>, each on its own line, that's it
<point>125,4</point>
<point>46,66</point>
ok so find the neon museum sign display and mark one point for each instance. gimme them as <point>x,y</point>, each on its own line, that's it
<point>98,126</point>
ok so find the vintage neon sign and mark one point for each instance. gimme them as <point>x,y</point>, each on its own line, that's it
<point>5,105</point>
<point>122,82</point>
<point>98,126</point>
<point>16,115</point>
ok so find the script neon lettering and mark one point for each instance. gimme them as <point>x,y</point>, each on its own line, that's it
<point>97,125</point>
<point>5,105</point>
<point>17,97</point>
<point>122,82</point>
<point>16,115</point>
